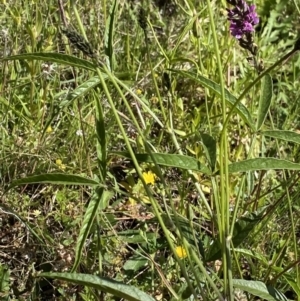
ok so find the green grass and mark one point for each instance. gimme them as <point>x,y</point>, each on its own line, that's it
<point>152,161</point>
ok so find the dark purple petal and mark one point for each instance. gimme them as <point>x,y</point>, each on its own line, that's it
<point>247,27</point>
<point>243,17</point>
<point>236,30</point>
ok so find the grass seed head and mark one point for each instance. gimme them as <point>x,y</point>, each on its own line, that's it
<point>79,42</point>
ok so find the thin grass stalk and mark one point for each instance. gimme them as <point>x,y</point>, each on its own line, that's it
<point>119,84</point>
<point>84,138</point>
<point>78,19</point>
<point>249,87</point>
<point>203,270</point>
<point>162,108</point>
<point>240,191</point>
<point>281,252</point>
<point>224,174</point>
<point>290,207</point>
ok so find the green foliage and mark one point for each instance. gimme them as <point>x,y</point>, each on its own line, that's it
<point>144,156</point>
<point>113,287</point>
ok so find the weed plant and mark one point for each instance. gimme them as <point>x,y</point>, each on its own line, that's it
<point>149,150</point>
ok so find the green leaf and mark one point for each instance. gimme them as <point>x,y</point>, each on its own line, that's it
<point>14,110</point>
<point>99,199</point>
<point>259,289</point>
<point>110,286</point>
<point>39,23</point>
<point>283,135</point>
<point>135,263</point>
<point>84,88</point>
<point>253,254</point>
<point>293,284</point>
<point>230,99</point>
<point>109,34</point>
<point>265,100</point>
<point>101,136</point>
<point>210,146</point>
<point>262,164</point>
<point>59,58</point>
<point>4,282</point>
<point>179,161</point>
<point>242,228</point>
<point>54,178</point>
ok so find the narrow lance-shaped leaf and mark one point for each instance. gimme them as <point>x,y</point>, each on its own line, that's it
<point>110,286</point>
<point>242,228</point>
<point>59,58</point>
<point>262,164</point>
<point>109,34</point>
<point>179,161</point>
<point>101,136</point>
<point>283,135</point>
<point>259,289</point>
<point>265,100</point>
<point>84,88</point>
<point>210,146</point>
<point>54,178</point>
<point>230,99</point>
<point>100,199</point>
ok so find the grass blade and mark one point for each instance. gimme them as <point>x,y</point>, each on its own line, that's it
<point>258,288</point>
<point>283,135</point>
<point>242,228</point>
<point>210,146</point>
<point>110,286</point>
<point>99,199</point>
<point>179,161</point>
<point>54,178</point>
<point>109,34</point>
<point>265,100</point>
<point>262,164</point>
<point>58,58</point>
<point>230,99</point>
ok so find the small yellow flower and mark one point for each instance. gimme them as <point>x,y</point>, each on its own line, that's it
<point>36,212</point>
<point>149,177</point>
<point>49,129</point>
<point>58,162</point>
<point>131,202</point>
<point>62,166</point>
<point>138,91</point>
<point>181,252</point>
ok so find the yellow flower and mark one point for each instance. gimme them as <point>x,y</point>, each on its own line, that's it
<point>138,91</point>
<point>36,212</point>
<point>49,129</point>
<point>58,162</point>
<point>181,252</point>
<point>63,167</point>
<point>149,177</point>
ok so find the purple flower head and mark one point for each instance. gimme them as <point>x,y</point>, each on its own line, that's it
<point>242,18</point>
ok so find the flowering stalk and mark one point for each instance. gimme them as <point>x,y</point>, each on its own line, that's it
<point>242,19</point>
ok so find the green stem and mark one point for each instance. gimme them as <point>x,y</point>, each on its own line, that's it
<point>224,174</point>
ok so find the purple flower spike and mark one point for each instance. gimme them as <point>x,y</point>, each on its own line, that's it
<point>242,18</point>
